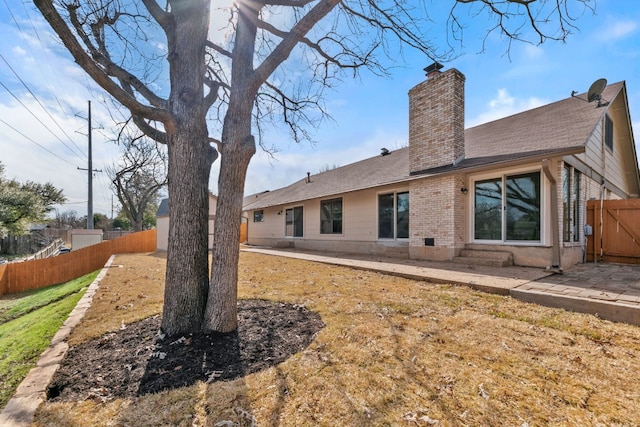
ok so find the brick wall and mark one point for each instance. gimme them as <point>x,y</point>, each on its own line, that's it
<point>436,120</point>
<point>437,211</point>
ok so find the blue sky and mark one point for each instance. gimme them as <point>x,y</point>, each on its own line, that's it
<point>43,131</point>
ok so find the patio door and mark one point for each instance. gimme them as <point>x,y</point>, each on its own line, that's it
<point>294,222</point>
<point>507,208</point>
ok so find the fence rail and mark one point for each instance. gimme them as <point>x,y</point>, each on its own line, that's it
<point>50,250</point>
<point>35,274</point>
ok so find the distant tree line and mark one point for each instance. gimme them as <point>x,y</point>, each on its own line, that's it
<point>22,204</point>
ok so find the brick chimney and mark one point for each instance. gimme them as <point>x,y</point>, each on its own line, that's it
<point>436,119</point>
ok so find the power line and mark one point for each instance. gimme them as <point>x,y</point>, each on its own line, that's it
<point>35,116</point>
<point>39,145</point>
<point>43,107</point>
<point>46,77</point>
<point>15,21</point>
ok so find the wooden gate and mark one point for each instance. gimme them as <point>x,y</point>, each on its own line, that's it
<point>616,231</point>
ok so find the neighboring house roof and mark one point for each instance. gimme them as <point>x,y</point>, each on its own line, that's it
<point>556,129</point>
<point>163,209</point>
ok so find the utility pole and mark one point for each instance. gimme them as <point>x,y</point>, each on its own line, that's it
<point>91,171</point>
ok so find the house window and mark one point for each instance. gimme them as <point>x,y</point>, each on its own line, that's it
<point>258,216</point>
<point>331,216</point>
<point>393,216</point>
<point>508,208</point>
<point>608,132</point>
<point>570,204</point>
<point>293,222</point>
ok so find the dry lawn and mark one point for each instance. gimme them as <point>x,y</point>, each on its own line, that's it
<point>393,352</point>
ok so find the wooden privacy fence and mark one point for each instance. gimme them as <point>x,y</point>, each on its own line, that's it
<point>243,232</point>
<point>616,231</point>
<point>23,276</point>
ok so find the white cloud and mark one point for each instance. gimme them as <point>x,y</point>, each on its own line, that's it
<point>503,105</point>
<point>19,51</point>
<point>615,30</point>
<point>533,52</point>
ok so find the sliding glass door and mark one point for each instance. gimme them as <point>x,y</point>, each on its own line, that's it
<point>507,208</point>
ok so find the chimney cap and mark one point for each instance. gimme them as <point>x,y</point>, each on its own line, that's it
<point>436,66</point>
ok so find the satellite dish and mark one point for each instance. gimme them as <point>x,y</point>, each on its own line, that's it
<point>595,90</point>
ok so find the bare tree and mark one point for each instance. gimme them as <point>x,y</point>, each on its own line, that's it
<point>138,177</point>
<point>241,82</point>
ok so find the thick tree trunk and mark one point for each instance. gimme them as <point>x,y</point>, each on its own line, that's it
<point>221,313</point>
<point>187,252</point>
<point>190,159</point>
<point>238,146</point>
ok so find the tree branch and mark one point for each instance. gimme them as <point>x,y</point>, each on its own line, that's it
<point>100,75</point>
<point>284,48</point>
<point>101,56</point>
<point>162,18</point>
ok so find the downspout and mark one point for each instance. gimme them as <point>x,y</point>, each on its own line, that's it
<point>555,233</point>
<point>602,190</point>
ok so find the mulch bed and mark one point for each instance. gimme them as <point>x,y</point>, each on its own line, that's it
<point>135,360</point>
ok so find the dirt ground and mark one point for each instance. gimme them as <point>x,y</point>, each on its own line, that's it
<point>135,359</point>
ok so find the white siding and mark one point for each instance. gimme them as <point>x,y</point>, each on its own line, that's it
<point>615,166</point>
<point>162,233</point>
<point>359,225</point>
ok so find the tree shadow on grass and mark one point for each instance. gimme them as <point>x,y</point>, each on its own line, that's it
<point>135,361</point>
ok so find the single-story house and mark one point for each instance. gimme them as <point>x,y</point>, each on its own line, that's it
<point>162,222</point>
<point>513,190</point>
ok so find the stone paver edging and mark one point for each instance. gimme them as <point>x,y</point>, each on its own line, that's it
<point>31,392</point>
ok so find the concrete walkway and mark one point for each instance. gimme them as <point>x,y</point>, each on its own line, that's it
<point>610,291</point>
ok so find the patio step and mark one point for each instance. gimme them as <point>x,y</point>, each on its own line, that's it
<point>483,257</point>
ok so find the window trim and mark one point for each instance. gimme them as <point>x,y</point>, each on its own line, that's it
<point>259,212</point>
<point>331,220</point>
<point>503,175</point>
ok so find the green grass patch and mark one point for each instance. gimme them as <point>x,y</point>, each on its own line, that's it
<point>15,305</point>
<point>35,319</point>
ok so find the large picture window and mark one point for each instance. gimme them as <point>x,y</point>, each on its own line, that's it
<point>331,216</point>
<point>293,222</point>
<point>393,216</point>
<point>507,208</point>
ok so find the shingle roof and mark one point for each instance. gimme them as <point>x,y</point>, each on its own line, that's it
<point>163,208</point>
<point>559,128</point>
<point>562,124</point>
<point>372,172</point>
